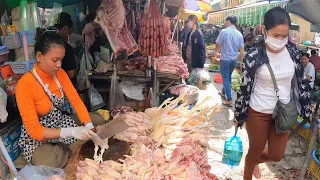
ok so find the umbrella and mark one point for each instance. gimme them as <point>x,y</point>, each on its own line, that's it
<point>308,10</point>
<point>198,6</point>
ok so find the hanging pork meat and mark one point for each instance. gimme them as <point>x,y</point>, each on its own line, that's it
<point>111,17</point>
<point>153,39</point>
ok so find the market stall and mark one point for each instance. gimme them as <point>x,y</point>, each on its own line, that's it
<point>140,65</point>
<point>165,142</point>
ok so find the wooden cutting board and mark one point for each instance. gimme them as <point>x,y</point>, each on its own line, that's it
<point>117,150</point>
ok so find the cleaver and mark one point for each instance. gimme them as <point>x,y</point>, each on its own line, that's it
<point>112,128</point>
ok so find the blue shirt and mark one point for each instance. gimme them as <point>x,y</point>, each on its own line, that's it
<point>231,40</point>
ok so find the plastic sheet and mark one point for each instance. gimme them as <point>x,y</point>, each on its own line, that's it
<point>3,105</point>
<point>116,97</point>
<point>199,75</point>
<point>42,173</point>
<point>57,8</point>
<point>96,100</point>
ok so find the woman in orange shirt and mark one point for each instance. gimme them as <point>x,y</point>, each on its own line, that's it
<point>48,135</point>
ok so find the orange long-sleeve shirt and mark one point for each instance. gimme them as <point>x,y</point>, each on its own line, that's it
<point>33,102</point>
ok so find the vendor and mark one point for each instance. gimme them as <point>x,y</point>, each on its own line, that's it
<point>309,71</point>
<point>48,136</point>
<point>194,51</point>
<point>69,63</point>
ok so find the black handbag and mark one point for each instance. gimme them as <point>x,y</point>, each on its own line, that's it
<point>285,115</point>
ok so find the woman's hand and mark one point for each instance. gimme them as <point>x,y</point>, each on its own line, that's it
<point>235,124</point>
<point>80,133</point>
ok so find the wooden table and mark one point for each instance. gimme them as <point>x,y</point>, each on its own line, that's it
<point>157,79</point>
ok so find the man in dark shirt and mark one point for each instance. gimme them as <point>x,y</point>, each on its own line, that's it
<point>69,63</point>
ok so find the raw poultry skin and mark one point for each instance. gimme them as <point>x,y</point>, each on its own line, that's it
<point>99,158</point>
<point>179,153</point>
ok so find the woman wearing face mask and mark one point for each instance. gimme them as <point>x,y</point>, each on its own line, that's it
<point>257,98</point>
<point>193,51</point>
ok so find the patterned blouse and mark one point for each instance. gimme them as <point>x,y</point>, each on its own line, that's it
<point>255,58</point>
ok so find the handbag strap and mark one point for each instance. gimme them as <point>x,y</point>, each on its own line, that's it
<point>274,81</point>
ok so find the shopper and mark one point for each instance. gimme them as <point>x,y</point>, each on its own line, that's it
<point>309,71</point>
<point>48,135</point>
<point>230,41</point>
<point>257,98</point>
<point>184,33</point>
<point>194,51</point>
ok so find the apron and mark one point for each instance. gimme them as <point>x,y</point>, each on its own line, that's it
<point>55,119</point>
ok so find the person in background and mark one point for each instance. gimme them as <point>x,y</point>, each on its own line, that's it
<point>194,51</point>
<point>69,63</point>
<point>230,42</point>
<point>315,60</point>
<point>309,71</point>
<point>257,98</point>
<point>184,33</point>
<point>48,135</point>
<point>94,36</point>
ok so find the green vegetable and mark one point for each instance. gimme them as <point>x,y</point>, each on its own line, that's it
<point>214,67</point>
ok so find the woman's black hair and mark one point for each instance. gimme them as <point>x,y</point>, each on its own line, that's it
<point>306,55</point>
<point>64,19</point>
<point>193,18</point>
<point>276,16</point>
<point>45,39</point>
<point>90,17</point>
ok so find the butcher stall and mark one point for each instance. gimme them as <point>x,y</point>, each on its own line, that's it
<point>141,53</point>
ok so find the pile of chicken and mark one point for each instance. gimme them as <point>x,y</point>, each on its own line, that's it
<point>175,149</point>
<point>140,127</point>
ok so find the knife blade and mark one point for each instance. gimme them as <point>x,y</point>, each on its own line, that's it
<point>112,128</point>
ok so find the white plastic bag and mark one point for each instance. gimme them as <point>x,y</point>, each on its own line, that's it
<point>3,105</point>
<point>85,66</point>
<point>116,97</point>
<point>203,75</point>
<point>30,172</point>
<point>96,100</point>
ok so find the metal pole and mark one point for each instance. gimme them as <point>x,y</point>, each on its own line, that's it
<point>7,157</point>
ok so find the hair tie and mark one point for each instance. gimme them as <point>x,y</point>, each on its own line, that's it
<point>48,30</point>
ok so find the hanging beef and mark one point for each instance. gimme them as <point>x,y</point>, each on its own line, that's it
<point>111,17</point>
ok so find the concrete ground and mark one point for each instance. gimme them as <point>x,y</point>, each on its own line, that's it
<point>222,129</point>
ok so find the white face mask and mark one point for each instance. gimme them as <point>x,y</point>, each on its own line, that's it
<point>276,44</point>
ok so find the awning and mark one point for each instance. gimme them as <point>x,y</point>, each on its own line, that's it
<point>185,13</point>
<point>308,10</point>
<point>251,14</point>
<point>42,3</point>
